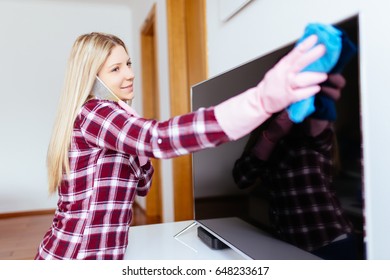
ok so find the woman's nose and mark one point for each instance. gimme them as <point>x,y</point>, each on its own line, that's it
<point>129,74</point>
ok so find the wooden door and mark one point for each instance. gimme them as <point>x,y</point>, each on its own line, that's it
<point>151,107</point>
<point>188,66</point>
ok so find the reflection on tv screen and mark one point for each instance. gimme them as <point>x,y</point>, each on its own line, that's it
<point>299,183</point>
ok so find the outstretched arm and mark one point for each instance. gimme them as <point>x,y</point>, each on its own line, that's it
<point>281,86</point>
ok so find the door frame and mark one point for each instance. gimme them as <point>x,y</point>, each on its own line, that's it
<point>186,22</point>
<point>151,106</point>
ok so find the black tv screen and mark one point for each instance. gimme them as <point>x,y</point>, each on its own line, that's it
<point>239,216</point>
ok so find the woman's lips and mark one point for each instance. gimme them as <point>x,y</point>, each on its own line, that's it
<point>127,87</point>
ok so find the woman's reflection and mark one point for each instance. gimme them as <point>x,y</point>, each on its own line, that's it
<point>295,164</point>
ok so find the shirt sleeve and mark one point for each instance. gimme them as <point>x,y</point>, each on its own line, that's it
<point>145,181</point>
<point>106,125</point>
<point>324,142</point>
<point>247,169</point>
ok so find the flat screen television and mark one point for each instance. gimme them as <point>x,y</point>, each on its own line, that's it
<point>238,217</point>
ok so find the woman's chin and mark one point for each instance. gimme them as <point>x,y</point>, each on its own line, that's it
<point>127,97</point>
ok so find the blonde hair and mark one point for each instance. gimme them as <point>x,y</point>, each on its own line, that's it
<point>89,52</point>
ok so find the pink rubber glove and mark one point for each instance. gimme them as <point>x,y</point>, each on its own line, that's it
<point>281,86</point>
<point>142,160</point>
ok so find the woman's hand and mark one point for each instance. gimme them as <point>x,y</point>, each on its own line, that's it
<point>281,86</point>
<point>285,83</point>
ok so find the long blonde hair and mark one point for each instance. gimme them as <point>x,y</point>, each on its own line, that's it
<point>88,54</point>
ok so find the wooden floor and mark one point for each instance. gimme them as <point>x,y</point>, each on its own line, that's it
<point>20,236</point>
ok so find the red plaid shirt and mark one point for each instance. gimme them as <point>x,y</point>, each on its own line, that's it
<point>95,200</point>
<point>305,209</point>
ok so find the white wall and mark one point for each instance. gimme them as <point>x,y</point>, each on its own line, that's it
<point>36,37</point>
<point>263,26</point>
<point>36,41</point>
<point>375,88</point>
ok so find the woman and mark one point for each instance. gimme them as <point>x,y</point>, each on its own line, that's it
<point>98,153</point>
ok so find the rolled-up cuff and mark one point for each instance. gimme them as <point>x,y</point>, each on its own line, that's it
<point>241,114</point>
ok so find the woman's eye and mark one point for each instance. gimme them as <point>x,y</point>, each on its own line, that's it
<point>129,64</point>
<point>116,69</point>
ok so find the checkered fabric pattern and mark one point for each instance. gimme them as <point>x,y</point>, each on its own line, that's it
<point>304,208</point>
<point>95,199</point>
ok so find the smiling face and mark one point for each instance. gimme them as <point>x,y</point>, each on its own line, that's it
<point>117,73</point>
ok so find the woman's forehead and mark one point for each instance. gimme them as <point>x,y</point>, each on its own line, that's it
<point>118,55</point>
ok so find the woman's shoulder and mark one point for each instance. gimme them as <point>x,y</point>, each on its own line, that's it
<point>97,108</point>
<point>94,105</point>
<point>95,102</point>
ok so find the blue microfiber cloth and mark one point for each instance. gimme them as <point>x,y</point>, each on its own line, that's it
<point>348,51</point>
<point>325,107</point>
<point>330,37</point>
